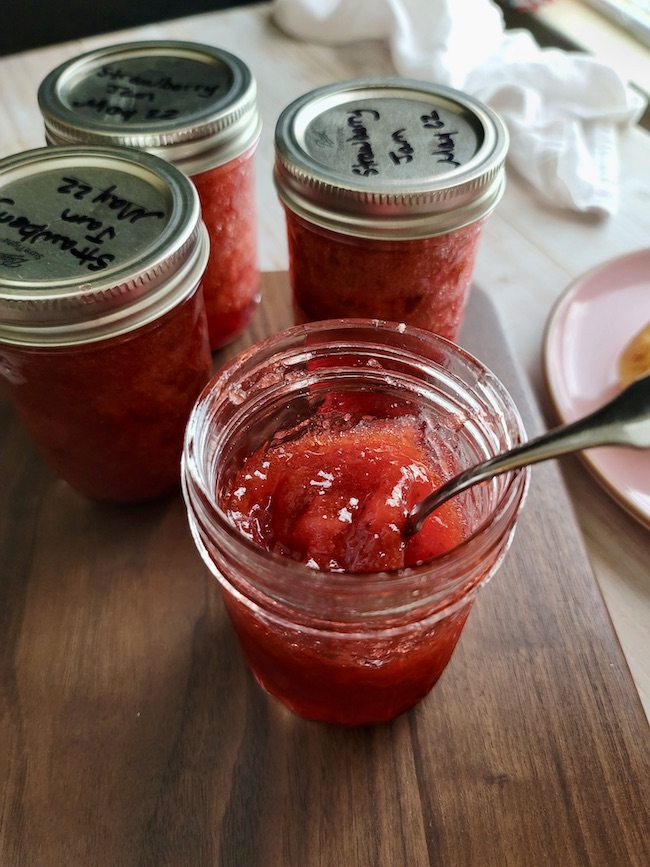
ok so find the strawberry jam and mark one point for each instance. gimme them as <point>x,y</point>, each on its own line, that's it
<point>424,282</point>
<point>336,497</point>
<point>232,278</point>
<point>109,417</point>
<point>103,330</point>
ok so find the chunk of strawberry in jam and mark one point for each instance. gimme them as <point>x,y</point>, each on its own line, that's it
<point>336,496</point>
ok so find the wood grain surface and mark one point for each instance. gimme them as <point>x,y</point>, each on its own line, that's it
<point>131,732</point>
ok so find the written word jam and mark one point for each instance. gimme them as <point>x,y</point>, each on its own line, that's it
<point>86,232</point>
<point>366,163</point>
<point>128,95</point>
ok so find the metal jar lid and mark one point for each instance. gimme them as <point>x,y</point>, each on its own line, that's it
<point>191,104</point>
<point>389,158</point>
<point>94,242</point>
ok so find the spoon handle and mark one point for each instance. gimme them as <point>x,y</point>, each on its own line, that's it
<point>625,420</point>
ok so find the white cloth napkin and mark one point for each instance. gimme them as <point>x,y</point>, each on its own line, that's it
<point>564,110</point>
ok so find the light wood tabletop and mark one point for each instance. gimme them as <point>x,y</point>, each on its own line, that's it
<point>529,255</point>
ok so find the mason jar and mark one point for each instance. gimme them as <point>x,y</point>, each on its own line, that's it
<point>386,185</point>
<point>191,104</point>
<point>302,459</point>
<point>103,334</point>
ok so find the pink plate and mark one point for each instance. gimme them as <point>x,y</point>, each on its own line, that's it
<point>589,327</point>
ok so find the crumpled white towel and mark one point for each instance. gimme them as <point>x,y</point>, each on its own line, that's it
<point>564,110</point>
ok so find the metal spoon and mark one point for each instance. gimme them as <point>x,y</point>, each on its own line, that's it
<point>624,421</point>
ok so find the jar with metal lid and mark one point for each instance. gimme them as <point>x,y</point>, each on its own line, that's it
<point>103,334</point>
<point>386,184</point>
<point>195,106</point>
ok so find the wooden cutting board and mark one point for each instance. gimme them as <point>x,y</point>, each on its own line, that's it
<point>131,732</point>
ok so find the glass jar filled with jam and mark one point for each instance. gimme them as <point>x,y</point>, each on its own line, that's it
<point>103,333</point>
<point>386,185</point>
<point>303,457</point>
<point>194,105</point>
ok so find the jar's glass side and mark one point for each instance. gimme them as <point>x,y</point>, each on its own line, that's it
<point>109,417</point>
<point>346,680</point>
<point>424,282</point>
<point>232,277</point>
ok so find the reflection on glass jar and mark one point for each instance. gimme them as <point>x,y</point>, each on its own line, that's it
<point>301,461</point>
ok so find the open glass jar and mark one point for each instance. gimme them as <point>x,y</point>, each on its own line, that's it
<point>103,334</point>
<point>194,105</point>
<point>350,647</point>
<point>386,185</point>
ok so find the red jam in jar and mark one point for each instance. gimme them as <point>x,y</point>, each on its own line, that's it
<point>336,494</point>
<point>386,185</point>
<point>103,333</point>
<point>301,460</point>
<point>191,104</point>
